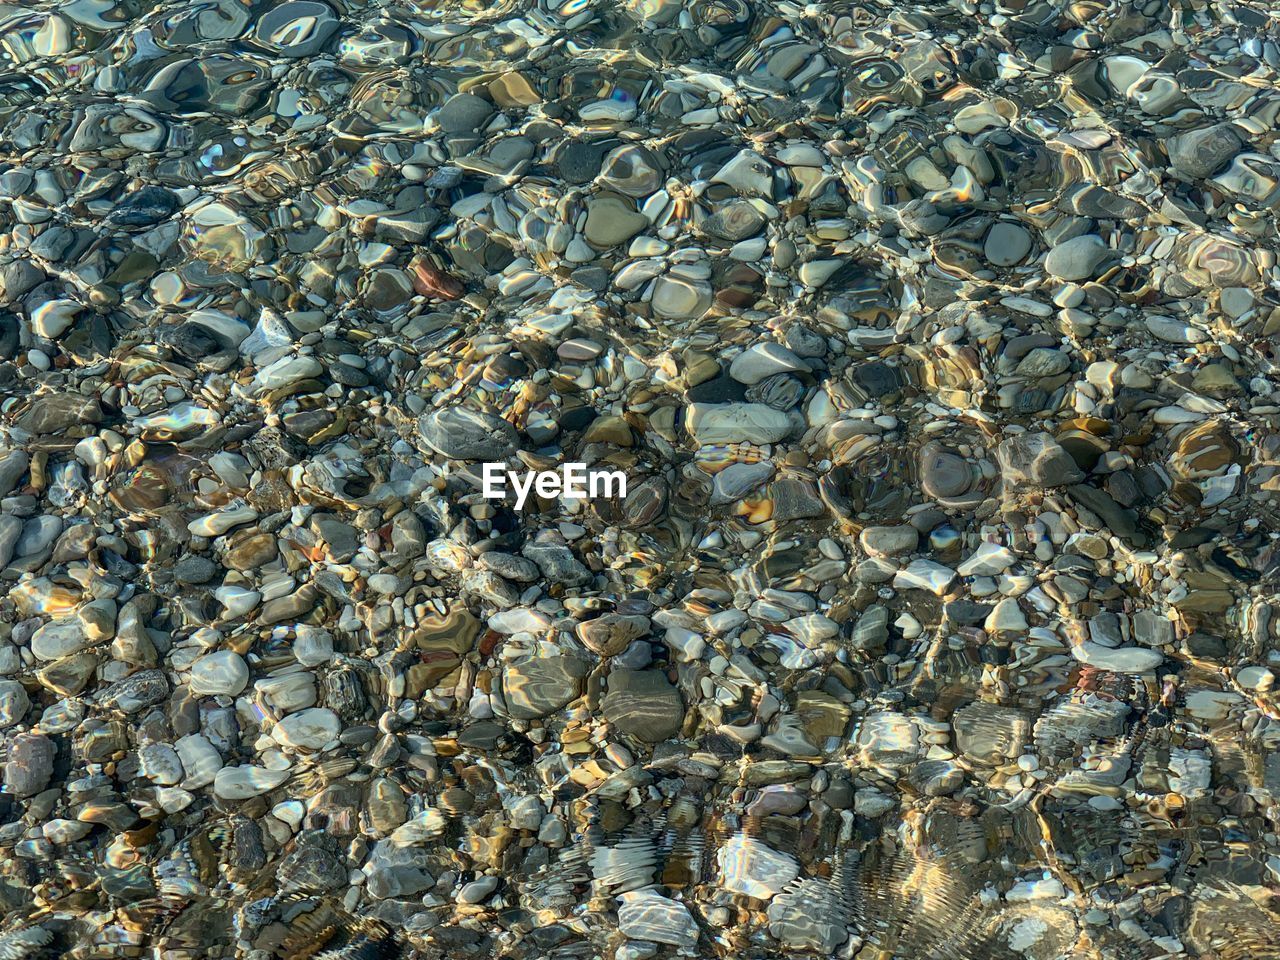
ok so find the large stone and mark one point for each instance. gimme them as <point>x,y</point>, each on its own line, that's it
<point>1199,153</point>
<point>751,867</point>
<point>309,729</point>
<point>222,672</point>
<point>1006,244</point>
<point>611,220</point>
<point>1036,460</point>
<point>990,734</point>
<point>643,704</point>
<point>535,688</point>
<point>30,764</point>
<point>461,433</point>
<point>1077,258</point>
<point>736,423</point>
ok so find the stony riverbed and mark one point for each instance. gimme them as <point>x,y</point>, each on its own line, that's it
<point>937,343</point>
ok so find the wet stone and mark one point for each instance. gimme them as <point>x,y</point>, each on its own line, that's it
<point>643,704</point>
<point>537,687</point>
<point>466,434</point>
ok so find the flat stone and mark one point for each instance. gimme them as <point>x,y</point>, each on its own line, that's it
<point>648,916</point>
<point>736,423</point>
<point>534,688</point>
<point>895,541</point>
<point>247,781</point>
<point>734,221</point>
<point>464,113</point>
<point>611,221</point>
<point>643,704</point>
<point>1036,460</point>
<point>679,298</point>
<point>461,433</point>
<point>986,561</point>
<point>58,639</point>
<point>752,868</point>
<point>748,173</point>
<point>764,360</point>
<point>310,729</point>
<point>925,575</point>
<point>1118,659</point>
<point>1201,153</point>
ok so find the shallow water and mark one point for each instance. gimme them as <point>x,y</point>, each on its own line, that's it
<point>936,344</point>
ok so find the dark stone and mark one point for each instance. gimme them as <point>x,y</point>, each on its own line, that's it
<point>194,569</point>
<point>55,412</point>
<point>1121,522</point>
<point>967,612</point>
<point>580,162</point>
<point>464,113</point>
<point>144,207</point>
<point>721,389</point>
<point>878,379</point>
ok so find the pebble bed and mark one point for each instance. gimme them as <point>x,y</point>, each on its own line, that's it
<point>938,346</point>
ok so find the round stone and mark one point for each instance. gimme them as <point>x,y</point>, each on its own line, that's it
<point>222,672</point>
<point>1007,244</point>
<point>943,473</point>
<point>310,729</point>
<point>1077,258</point>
